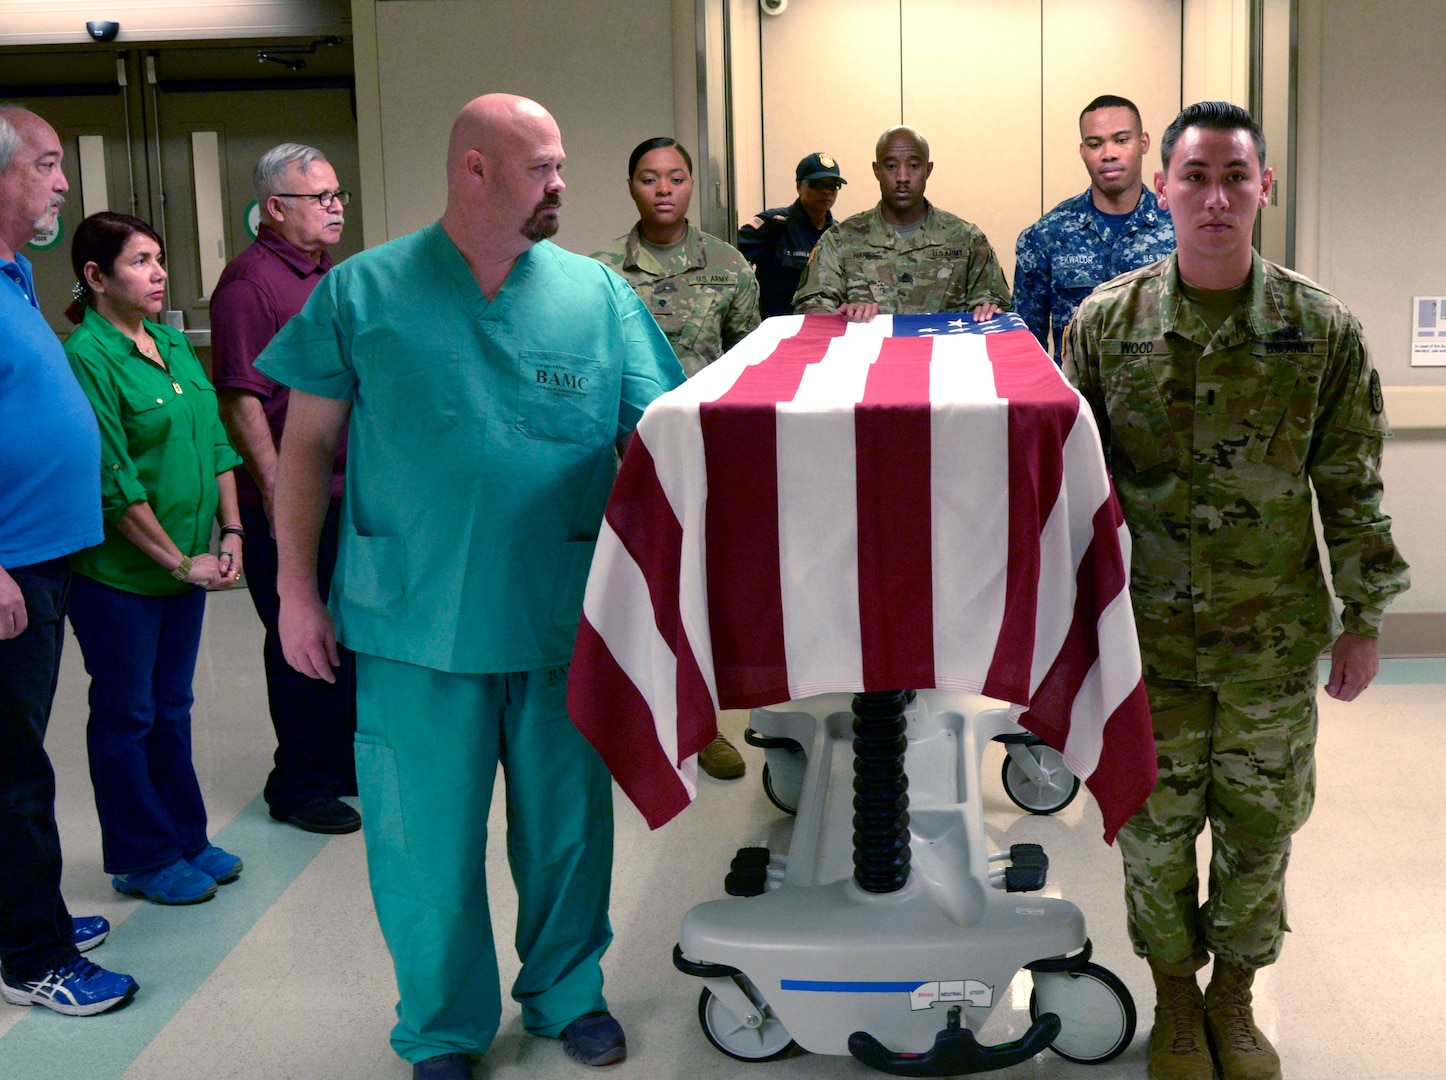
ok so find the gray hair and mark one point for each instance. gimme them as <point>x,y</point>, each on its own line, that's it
<point>272,166</point>
<point>10,138</point>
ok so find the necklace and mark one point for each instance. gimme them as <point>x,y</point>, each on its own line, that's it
<point>151,352</point>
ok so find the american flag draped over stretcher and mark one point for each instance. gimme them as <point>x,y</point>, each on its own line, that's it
<point>916,502</point>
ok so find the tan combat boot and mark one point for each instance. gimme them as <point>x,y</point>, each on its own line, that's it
<point>1178,1050</point>
<point>1244,1051</point>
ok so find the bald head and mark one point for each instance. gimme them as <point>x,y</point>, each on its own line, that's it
<point>492,125</point>
<point>902,168</point>
<point>900,137</point>
<point>504,160</point>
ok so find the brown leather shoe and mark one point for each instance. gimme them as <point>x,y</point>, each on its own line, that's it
<point>1244,1051</point>
<point>721,760</point>
<point>1178,1049</point>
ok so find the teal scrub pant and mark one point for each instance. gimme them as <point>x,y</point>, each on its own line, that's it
<point>428,744</point>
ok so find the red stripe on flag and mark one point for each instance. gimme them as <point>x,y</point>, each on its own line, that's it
<point>1125,774</point>
<point>740,454</point>
<point>649,530</point>
<point>895,557</point>
<point>1127,771</point>
<point>1042,410</point>
<point>607,701</point>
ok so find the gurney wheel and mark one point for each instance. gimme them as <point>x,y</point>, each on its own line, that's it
<point>1095,1010</point>
<point>1053,794</point>
<point>771,790</point>
<point>765,1041</point>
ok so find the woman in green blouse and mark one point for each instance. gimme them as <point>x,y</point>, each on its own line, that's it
<point>138,597</point>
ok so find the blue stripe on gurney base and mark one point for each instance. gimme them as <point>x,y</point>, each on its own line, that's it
<point>171,951</point>
<point>819,987</point>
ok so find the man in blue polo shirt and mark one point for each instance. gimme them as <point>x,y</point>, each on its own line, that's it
<point>49,507</point>
<point>489,378</point>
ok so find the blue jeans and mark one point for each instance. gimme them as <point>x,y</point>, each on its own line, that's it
<point>140,652</point>
<point>35,930</point>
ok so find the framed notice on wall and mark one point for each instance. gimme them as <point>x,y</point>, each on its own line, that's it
<point>1428,331</point>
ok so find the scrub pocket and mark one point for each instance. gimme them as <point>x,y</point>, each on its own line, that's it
<point>381,792</point>
<point>561,397</point>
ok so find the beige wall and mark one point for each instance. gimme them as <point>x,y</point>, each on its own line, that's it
<point>1377,149</point>
<point>433,56</point>
<point>1000,111</point>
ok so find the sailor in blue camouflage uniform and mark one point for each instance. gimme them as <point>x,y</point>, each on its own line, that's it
<point>1242,415</point>
<point>778,242</point>
<point>1113,227</point>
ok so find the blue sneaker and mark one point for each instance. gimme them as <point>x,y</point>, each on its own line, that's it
<point>90,931</point>
<point>179,883</point>
<point>443,1067</point>
<point>79,988</point>
<point>220,865</point>
<point>595,1039</point>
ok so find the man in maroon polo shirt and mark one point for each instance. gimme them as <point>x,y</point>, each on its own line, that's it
<point>263,287</point>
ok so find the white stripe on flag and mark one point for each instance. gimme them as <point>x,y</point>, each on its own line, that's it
<point>970,467</point>
<point>1068,534</point>
<point>818,521</point>
<point>624,620</point>
<point>673,446</point>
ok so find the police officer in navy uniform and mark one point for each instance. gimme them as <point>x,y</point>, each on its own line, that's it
<point>778,242</point>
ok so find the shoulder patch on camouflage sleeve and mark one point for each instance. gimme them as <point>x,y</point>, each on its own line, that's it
<point>1378,399</point>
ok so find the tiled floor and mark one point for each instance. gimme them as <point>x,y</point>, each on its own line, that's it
<point>284,975</point>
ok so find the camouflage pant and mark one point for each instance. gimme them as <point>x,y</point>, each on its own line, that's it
<point>1242,757</point>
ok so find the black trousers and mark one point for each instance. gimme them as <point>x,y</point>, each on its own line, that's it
<point>315,721</point>
<point>36,934</point>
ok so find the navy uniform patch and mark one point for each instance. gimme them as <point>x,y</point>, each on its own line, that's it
<point>1378,399</point>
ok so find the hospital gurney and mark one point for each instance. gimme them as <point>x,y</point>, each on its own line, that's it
<point>887,931</point>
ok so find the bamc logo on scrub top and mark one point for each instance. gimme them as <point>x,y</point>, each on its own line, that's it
<point>559,380</point>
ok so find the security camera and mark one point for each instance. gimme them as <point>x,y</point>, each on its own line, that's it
<point>773,7</point>
<point>104,30</point>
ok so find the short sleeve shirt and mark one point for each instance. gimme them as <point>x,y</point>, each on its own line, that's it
<point>482,448</point>
<point>258,291</point>
<point>49,444</point>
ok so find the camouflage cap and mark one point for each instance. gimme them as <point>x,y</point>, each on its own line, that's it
<point>818,166</point>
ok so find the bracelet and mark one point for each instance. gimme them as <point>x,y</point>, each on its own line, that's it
<point>233,530</point>
<point>183,568</point>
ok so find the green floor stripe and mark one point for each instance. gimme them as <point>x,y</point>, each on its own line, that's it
<point>171,951</point>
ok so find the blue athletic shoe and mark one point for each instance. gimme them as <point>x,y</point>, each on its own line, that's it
<point>90,931</point>
<point>79,988</point>
<point>179,883</point>
<point>595,1039</point>
<point>222,866</point>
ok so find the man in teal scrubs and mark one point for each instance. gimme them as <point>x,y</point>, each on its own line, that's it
<point>488,377</point>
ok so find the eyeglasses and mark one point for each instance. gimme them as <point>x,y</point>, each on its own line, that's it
<point>325,198</point>
<point>823,185</point>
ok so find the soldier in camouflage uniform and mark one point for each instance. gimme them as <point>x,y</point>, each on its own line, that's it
<point>700,290</point>
<point>903,256</point>
<point>1113,227</point>
<point>1227,388</point>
